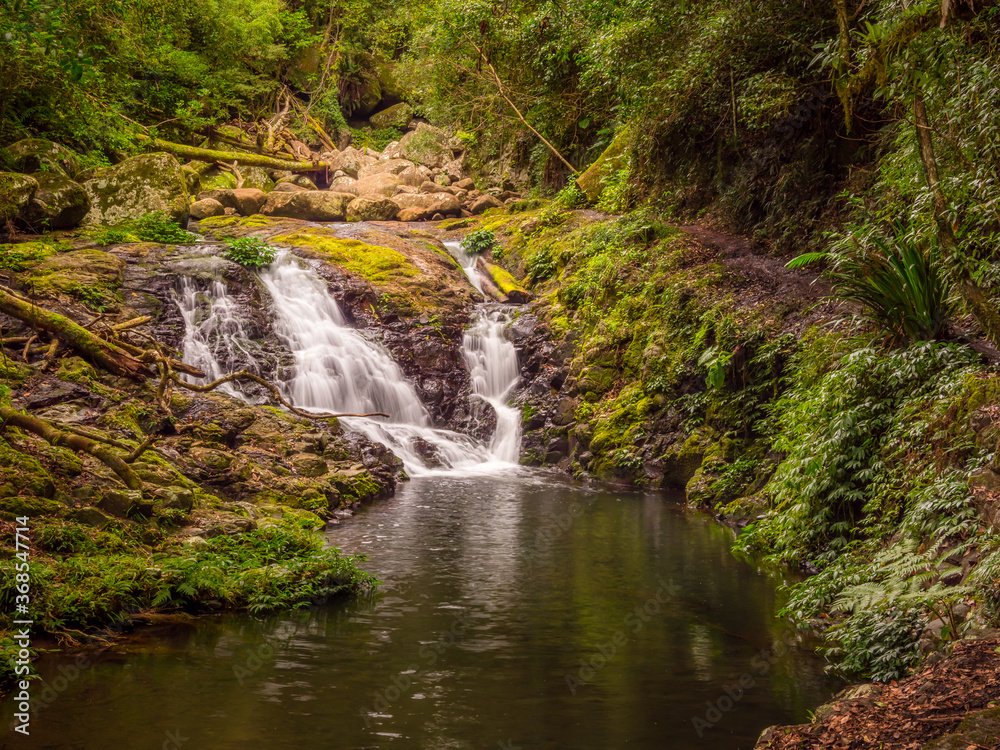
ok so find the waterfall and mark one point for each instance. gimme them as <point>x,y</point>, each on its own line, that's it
<point>492,362</point>
<point>468,263</point>
<point>215,340</point>
<point>337,369</point>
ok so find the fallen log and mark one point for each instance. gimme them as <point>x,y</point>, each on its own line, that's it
<point>247,159</point>
<point>109,356</point>
<point>79,443</point>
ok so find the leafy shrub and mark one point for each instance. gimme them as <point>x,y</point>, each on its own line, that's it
<point>251,252</point>
<point>570,197</point>
<point>157,227</point>
<point>541,266</point>
<point>879,645</point>
<point>104,236</point>
<point>482,241</point>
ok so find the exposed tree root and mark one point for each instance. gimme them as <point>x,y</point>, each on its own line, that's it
<point>74,442</point>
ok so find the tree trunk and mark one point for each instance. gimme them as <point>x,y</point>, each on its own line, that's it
<point>103,353</point>
<point>250,160</point>
<point>73,442</point>
<point>979,304</point>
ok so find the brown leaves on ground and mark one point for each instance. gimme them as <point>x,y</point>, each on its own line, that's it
<point>906,715</point>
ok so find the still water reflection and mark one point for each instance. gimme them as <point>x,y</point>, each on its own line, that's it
<point>517,611</point>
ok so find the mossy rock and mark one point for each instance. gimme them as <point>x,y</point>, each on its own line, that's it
<point>36,154</point>
<point>138,186</point>
<point>217,180</point>
<point>396,116</point>
<point>23,474</point>
<point>426,145</point>
<point>506,283</point>
<point>372,262</point>
<point>592,181</point>
<point>59,203</point>
<point>27,505</point>
<point>392,90</point>
<point>682,461</point>
<point>75,272</point>
<point>13,371</point>
<point>16,192</point>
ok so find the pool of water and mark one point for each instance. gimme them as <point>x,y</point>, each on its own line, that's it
<point>517,611</point>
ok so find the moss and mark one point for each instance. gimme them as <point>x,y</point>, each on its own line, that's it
<point>504,281</point>
<point>372,262</point>
<point>75,370</point>
<point>34,507</point>
<point>14,372</point>
<point>256,221</point>
<point>75,272</point>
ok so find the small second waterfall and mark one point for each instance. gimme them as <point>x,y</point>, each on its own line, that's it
<point>467,262</point>
<point>492,362</point>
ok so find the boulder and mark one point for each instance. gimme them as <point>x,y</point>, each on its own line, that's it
<point>33,154</point>
<point>256,177</point>
<point>396,116</point>
<point>342,184</point>
<point>311,205</point>
<point>372,208</point>
<point>138,186</point>
<point>369,96</point>
<point>202,209</point>
<point>426,145</point>
<point>59,203</point>
<point>425,205</point>
<point>216,179</point>
<point>484,203</point>
<point>454,169</point>
<point>389,166</point>
<point>246,201</point>
<point>351,160</point>
<point>392,90</point>
<point>466,184</point>
<point>412,176</point>
<point>288,187</point>
<point>428,186</point>
<point>16,192</point>
<point>377,184</point>
<point>593,179</point>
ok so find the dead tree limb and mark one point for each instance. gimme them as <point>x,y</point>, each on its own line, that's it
<point>109,356</point>
<point>248,159</point>
<point>56,437</point>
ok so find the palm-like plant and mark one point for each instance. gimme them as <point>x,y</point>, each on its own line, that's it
<point>898,286</point>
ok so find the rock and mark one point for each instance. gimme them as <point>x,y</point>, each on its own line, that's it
<point>483,203</point>
<point>177,498</point>
<point>59,203</point>
<point>138,186</point>
<point>408,189</point>
<point>443,179</point>
<point>507,284</point>
<point>33,154</point>
<point>302,181</point>
<point>592,181</point>
<point>310,205</point>
<point>89,517</point>
<point>454,169</point>
<point>466,184</point>
<point>309,465</point>
<point>392,90</point>
<point>217,179</point>
<point>426,145</point>
<point>369,96</point>
<point>120,503</point>
<point>977,729</point>
<point>412,177</point>
<point>246,201</point>
<point>289,187</point>
<point>396,116</point>
<point>437,217</point>
<point>431,187</point>
<point>425,205</point>
<point>16,192</point>
<point>372,208</point>
<point>256,178</point>
<point>390,166</point>
<point>410,214</point>
<point>351,160</point>
<point>206,207</point>
<point>384,184</point>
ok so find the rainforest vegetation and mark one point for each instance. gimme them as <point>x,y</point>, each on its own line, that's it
<point>768,231</point>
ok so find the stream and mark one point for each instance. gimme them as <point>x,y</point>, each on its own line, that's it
<point>520,609</point>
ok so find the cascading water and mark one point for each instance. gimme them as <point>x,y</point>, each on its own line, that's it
<point>213,333</point>
<point>338,370</point>
<point>468,263</point>
<point>492,362</point>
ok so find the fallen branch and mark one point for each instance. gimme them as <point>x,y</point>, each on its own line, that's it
<point>74,442</point>
<point>109,356</point>
<point>131,323</point>
<point>244,375</point>
<point>250,160</point>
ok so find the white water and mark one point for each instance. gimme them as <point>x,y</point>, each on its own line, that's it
<point>338,370</point>
<point>213,333</point>
<point>492,362</point>
<point>468,263</point>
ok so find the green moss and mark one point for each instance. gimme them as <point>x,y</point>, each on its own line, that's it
<point>372,262</point>
<point>75,370</point>
<point>22,473</point>
<point>256,221</point>
<point>23,255</point>
<point>504,281</point>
